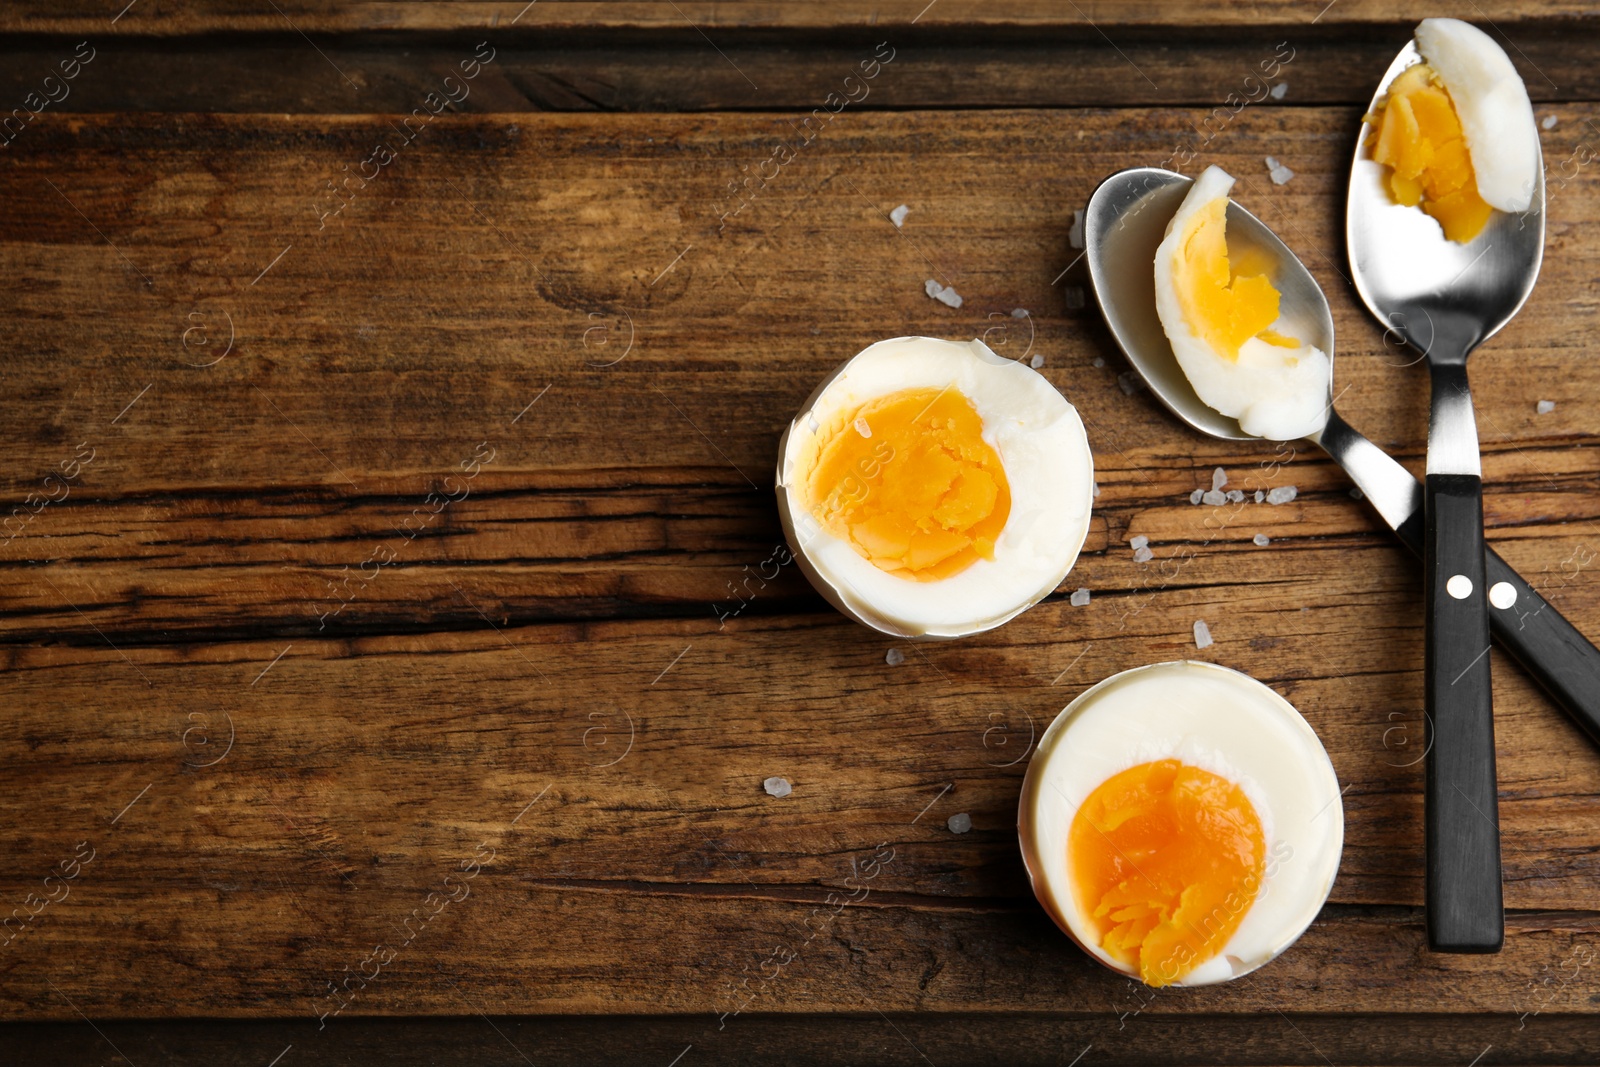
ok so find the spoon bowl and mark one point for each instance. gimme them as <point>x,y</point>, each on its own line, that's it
<point>1443,298</point>
<point>1126,220</point>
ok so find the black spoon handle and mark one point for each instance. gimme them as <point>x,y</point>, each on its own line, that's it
<point>1461,805</point>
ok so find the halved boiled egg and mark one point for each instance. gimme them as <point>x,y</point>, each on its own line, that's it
<point>1457,130</point>
<point>1220,317</point>
<point>1182,823</point>
<point>933,489</point>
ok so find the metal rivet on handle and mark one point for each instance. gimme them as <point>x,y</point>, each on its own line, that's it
<point>1502,594</point>
<point>1459,586</point>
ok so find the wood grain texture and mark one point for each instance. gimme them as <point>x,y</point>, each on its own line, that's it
<point>280,720</point>
<point>1126,1036</point>
<point>391,343</point>
<point>152,17</point>
<point>678,67</point>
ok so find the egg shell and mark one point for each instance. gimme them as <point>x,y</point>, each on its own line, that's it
<point>1055,513</point>
<point>1274,756</point>
<point>1492,103</point>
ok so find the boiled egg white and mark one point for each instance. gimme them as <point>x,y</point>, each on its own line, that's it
<point>933,489</point>
<point>1181,822</point>
<point>1221,325</point>
<point>1456,131</point>
<point>1492,103</point>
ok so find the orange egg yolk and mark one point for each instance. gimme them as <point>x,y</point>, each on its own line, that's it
<point>1166,859</point>
<point>910,482</point>
<point>1224,305</point>
<point>1419,138</point>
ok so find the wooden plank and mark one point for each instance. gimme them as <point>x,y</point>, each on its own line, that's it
<point>322,16</point>
<point>293,806</point>
<point>277,490</point>
<point>1123,1036</point>
<point>675,68</point>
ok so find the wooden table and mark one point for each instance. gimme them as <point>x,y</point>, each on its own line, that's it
<point>379,480</point>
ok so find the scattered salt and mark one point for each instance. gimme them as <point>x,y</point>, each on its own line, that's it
<point>778,787</point>
<point>811,421</point>
<point>1075,235</point>
<point>1074,297</point>
<point>1549,122</point>
<point>1019,313</point>
<point>1143,555</point>
<point>1235,496</point>
<point>1282,494</point>
<point>1272,164</point>
<point>1130,382</point>
<point>894,657</point>
<point>1280,174</point>
<point>1194,497</point>
<point>1098,362</point>
<point>959,824</point>
<point>1219,478</point>
<point>945,294</point>
<point>1138,541</point>
<point>861,426</point>
<point>1545,407</point>
<point>1096,490</point>
<point>1262,540</point>
<point>1079,598</point>
<point>1036,362</point>
<point>1277,92</point>
<point>1202,634</point>
<point>1215,498</point>
<point>1356,493</point>
<point>1260,496</point>
<point>898,215</point>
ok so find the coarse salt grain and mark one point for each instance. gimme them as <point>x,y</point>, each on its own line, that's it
<point>1143,555</point>
<point>894,657</point>
<point>1194,497</point>
<point>1549,122</point>
<point>1074,297</point>
<point>1079,598</point>
<point>1075,234</point>
<point>932,288</point>
<point>1215,498</point>
<point>1202,634</point>
<point>1235,496</point>
<point>1098,362</point>
<point>1356,493</point>
<point>778,787</point>
<point>1129,382</point>
<point>1281,494</point>
<point>1019,313</point>
<point>1277,92</point>
<point>1545,407</point>
<point>1280,174</point>
<point>1138,541</point>
<point>898,215</point>
<point>1262,540</point>
<point>959,823</point>
<point>1219,478</point>
<point>1036,362</point>
<point>1096,490</point>
<point>1260,496</point>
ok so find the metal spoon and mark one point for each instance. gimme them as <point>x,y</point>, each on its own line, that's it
<point>1445,299</point>
<point>1126,219</point>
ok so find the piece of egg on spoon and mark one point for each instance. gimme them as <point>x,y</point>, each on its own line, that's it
<point>933,489</point>
<point>1220,318</point>
<point>1181,822</point>
<point>1457,131</point>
